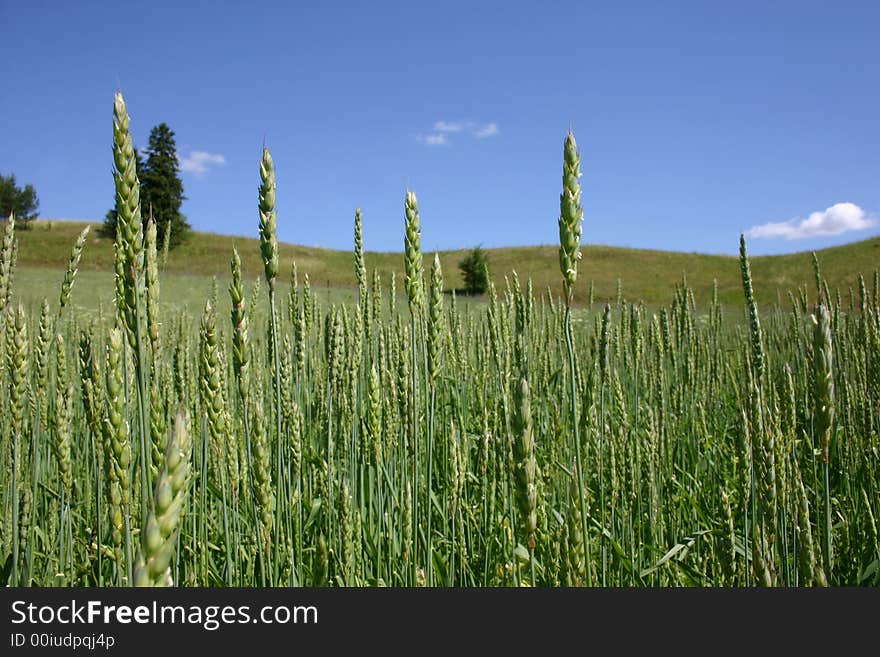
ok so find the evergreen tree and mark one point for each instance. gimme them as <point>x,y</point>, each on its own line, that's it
<point>475,271</point>
<point>161,188</point>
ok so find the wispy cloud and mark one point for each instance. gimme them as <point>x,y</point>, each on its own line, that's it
<point>839,218</point>
<point>434,139</point>
<point>488,130</point>
<point>442,130</point>
<point>448,126</point>
<point>199,162</point>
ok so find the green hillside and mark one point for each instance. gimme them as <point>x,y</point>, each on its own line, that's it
<point>646,275</point>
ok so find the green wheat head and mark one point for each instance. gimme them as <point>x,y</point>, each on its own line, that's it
<point>570,215</point>
<point>163,520</point>
<point>129,229</point>
<point>72,267</point>
<point>6,248</point>
<point>413,253</point>
<point>268,219</point>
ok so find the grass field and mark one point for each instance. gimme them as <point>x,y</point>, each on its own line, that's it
<point>182,293</point>
<point>647,276</point>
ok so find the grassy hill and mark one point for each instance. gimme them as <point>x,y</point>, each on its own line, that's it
<point>646,275</point>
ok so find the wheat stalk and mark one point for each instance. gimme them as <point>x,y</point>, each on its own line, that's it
<point>118,449</point>
<point>17,364</point>
<point>525,467</point>
<point>823,422</point>
<point>570,217</point>
<point>62,417</point>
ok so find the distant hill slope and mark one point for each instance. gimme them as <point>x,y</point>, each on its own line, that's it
<point>645,274</point>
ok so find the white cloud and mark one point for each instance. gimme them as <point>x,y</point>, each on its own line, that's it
<point>444,129</point>
<point>434,139</point>
<point>488,130</point>
<point>448,126</point>
<point>198,162</point>
<point>839,218</point>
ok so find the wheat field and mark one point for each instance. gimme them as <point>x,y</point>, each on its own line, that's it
<point>408,439</point>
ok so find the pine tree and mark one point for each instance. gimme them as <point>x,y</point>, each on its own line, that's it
<point>161,187</point>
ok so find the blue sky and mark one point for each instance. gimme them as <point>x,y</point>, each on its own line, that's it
<point>695,120</point>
